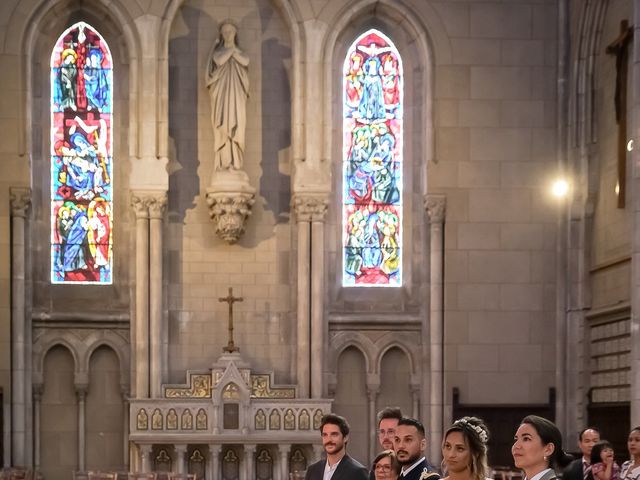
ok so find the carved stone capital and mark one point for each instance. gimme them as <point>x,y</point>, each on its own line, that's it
<point>229,213</point>
<point>230,198</point>
<point>20,199</point>
<point>37,390</point>
<point>81,391</point>
<point>149,203</point>
<point>310,207</point>
<point>436,206</point>
<point>139,205</point>
<point>156,204</point>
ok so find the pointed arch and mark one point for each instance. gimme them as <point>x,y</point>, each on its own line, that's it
<point>81,157</point>
<point>372,129</point>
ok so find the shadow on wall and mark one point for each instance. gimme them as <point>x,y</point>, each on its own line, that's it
<point>184,72</point>
<point>275,183</point>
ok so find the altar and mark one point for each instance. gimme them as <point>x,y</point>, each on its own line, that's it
<point>227,424</point>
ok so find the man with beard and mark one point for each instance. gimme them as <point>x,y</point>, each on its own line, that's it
<point>388,419</point>
<point>338,465</point>
<point>410,443</point>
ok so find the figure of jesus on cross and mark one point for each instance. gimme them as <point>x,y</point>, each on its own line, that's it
<point>230,299</point>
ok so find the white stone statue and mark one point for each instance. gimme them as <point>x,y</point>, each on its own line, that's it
<point>227,79</point>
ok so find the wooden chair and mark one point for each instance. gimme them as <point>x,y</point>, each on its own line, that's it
<point>182,476</point>
<point>95,475</point>
<point>80,475</point>
<point>143,476</point>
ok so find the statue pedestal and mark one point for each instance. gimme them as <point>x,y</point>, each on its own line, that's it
<point>230,197</point>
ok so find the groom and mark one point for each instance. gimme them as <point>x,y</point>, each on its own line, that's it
<point>410,443</point>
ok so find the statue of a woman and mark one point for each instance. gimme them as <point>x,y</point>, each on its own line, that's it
<point>227,79</point>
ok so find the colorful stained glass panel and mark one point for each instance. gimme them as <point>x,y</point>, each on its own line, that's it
<point>372,163</point>
<point>81,158</point>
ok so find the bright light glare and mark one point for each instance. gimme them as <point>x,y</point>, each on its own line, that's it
<point>630,145</point>
<point>617,189</point>
<point>560,188</point>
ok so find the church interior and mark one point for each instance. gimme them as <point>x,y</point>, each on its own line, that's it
<point>222,219</point>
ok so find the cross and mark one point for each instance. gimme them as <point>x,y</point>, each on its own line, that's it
<point>620,48</point>
<point>230,299</point>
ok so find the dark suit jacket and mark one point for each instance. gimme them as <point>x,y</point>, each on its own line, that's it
<point>573,471</point>
<point>417,471</point>
<point>348,469</point>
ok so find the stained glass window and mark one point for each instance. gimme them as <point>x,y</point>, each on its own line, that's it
<point>81,158</point>
<point>372,163</point>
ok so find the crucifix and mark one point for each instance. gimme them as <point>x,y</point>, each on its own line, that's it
<point>230,299</point>
<point>620,48</point>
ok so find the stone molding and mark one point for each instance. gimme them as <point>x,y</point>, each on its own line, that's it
<point>230,197</point>
<point>311,207</point>
<point>149,204</point>
<point>20,199</point>
<point>436,207</point>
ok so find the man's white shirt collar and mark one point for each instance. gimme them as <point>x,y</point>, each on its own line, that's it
<point>407,470</point>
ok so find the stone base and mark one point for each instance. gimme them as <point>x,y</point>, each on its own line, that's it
<point>230,197</point>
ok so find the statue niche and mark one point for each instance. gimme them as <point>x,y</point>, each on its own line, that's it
<point>229,195</point>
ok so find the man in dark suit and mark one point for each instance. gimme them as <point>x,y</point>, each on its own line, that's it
<point>577,470</point>
<point>410,443</point>
<point>338,465</point>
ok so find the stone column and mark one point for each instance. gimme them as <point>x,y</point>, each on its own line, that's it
<point>415,401</point>
<point>181,454</point>
<point>436,207</point>
<point>140,326</point>
<point>156,204</point>
<point>145,457</point>
<point>249,469</point>
<point>125,420</point>
<point>303,359</point>
<point>20,200</point>
<point>37,399</point>
<point>284,450</point>
<point>317,452</point>
<point>317,210</point>
<point>372,394</point>
<point>213,472</point>
<point>81,392</point>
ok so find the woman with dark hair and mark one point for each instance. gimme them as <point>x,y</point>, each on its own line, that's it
<point>464,450</point>
<point>537,448</point>
<point>603,465</point>
<point>386,466</point>
<point>631,468</point>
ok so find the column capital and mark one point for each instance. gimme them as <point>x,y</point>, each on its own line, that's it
<point>37,390</point>
<point>215,449</point>
<point>20,200</point>
<point>310,207</point>
<point>180,448</point>
<point>284,448</point>
<point>249,448</point>
<point>149,203</point>
<point>157,203</point>
<point>81,391</point>
<point>436,206</point>
<point>145,448</point>
<point>372,391</point>
<point>140,207</point>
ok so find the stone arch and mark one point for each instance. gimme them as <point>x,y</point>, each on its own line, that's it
<point>427,34</point>
<point>49,340</point>
<point>394,341</point>
<point>24,40</point>
<point>292,18</point>
<point>343,340</point>
<point>116,343</point>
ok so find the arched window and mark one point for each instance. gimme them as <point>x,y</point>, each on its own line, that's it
<point>81,157</point>
<point>372,163</point>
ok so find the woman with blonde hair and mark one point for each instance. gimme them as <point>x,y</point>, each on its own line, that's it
<point>464,450</point>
